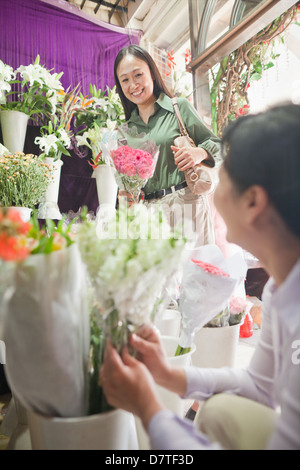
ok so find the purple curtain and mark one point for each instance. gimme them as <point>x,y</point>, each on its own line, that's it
<point>69,43</point>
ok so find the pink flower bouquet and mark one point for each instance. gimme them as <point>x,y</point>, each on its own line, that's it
<point>134,163</point>
<point>208,282</point>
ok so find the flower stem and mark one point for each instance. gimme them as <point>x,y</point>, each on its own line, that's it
<point>180,350</point>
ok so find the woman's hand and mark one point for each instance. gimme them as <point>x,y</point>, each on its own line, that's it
<point>150,351</point>
<point>128,384</point>
<point>188,157</point>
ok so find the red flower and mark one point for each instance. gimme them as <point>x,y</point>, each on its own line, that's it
<point>210,268</point>
<point>244,110</point>
<point>95,162</point>
<point>187,56</point>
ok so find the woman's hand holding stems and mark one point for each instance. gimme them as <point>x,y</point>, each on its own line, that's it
<point>129,382</point>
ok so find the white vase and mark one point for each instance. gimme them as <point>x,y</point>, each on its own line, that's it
<point>106,185</point>
<point>24,212</point>
<point>14,127</point>
<point>216,347</point>
<point>48,208</point>
<point>114,430</point>
<point>171,400</point>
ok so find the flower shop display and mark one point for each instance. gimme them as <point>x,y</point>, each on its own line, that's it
<point>129,263</point>
<point>34,96</point>
<point>63,322</point>
<point>46,322</point>
<point>23,181</point>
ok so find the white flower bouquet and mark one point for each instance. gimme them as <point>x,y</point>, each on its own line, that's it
<point>129,263</point>
<point>35,94</point>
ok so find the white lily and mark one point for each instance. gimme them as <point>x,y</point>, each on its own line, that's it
<point>32,73</point>
<point>6,72</point>
<point>4,88</point>
<point>65,138</point>
<point>47,143</point>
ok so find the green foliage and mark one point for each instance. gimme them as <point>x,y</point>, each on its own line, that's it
<point>234,74</point>
<point>23,180</point>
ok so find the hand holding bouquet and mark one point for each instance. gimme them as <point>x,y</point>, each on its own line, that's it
<point>129,265</point>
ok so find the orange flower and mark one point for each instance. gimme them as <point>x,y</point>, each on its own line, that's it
<point>14,217</point>
<point>11,249</point>
<point>171,62</point>
<point>86,103</point>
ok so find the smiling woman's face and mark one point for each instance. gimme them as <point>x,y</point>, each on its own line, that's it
<point>136,81</point>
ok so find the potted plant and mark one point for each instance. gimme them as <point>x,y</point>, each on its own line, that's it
<point>54,141</point>
<point>23,181</point>
<point>216,342</point>
<point>33,96</point>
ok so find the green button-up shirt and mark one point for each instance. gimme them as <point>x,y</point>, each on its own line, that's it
<point>162,127</point>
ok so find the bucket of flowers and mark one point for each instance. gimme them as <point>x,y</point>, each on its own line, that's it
<point>101,113</point>
<point>24,179</point>
<point>29,92</point>
<point>44,315</point>
<point>54,141</point>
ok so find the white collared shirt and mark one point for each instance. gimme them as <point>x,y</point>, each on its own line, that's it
<point>272,378</point>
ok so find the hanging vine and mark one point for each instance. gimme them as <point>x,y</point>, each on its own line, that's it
<point>232,76</point>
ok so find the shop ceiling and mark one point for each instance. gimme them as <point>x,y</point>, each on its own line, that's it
<point>214,27</point>
<point>168,24</point>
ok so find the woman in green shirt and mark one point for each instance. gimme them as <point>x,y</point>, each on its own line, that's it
<point>148,106</point>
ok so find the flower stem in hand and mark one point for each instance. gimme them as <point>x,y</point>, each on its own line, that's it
<point>180,350</point>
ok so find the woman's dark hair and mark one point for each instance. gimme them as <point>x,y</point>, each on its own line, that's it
<point>264,149</point>
<point>159,85</point>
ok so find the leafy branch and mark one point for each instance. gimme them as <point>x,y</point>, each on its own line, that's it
<point>232,76</point>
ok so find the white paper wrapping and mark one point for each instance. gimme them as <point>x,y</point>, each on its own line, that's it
<point>204,295</point>
<point>46,332</point>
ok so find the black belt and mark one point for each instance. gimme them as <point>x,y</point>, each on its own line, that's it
<point>164,192</point>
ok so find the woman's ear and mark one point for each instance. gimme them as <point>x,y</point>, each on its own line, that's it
<point>256,200</point>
